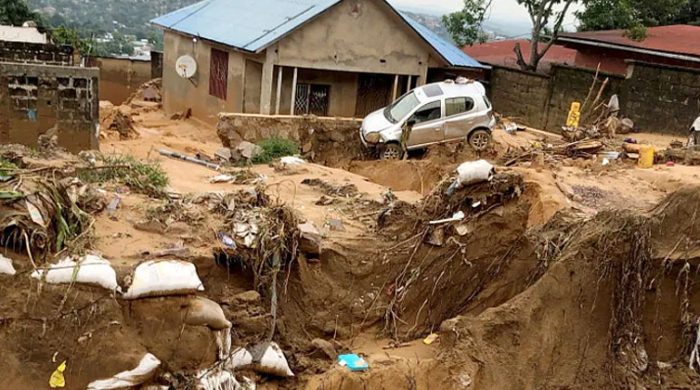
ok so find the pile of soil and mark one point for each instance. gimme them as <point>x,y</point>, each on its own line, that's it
<point>116,123</point>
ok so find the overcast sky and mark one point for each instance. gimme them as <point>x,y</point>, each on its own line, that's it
<point>501,10</point>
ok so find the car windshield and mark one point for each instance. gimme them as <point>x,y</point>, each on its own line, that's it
<point>401,107</point>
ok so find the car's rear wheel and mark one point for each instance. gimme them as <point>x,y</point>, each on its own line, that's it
<point>392,152</point>
<point>480,139</point>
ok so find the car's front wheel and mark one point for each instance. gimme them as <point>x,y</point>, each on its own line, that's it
<point>480,139</point>
<point>392,151</point>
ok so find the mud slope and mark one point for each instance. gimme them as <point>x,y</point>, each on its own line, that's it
<point>617,308</point>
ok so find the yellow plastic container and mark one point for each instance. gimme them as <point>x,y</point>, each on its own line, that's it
<point>646,157</point>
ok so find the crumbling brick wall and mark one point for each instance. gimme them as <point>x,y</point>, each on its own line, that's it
<point>36,53</point>
<point>35,99</point>
<point>661,98</point>
<point>322,139</point>
<point>520,95</point>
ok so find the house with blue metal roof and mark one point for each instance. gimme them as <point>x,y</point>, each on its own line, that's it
<point>322,57</point>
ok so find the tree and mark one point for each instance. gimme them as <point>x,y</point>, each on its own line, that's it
<point>635,15</point>
<point>546,24</point>
<point>465,25</point>
<point>16,12</point>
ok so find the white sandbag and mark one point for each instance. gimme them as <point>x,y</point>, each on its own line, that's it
<point>217,380</point>
<point>125,379</point>
<point>6,267</point>
<point>266,358</point>
<point>166,277</point>
<point>89,269</point>
<point>291,160</point>
<point>472,172</point>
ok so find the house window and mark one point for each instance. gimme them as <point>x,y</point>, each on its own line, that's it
<point>218,73</point>
<point>458,105</point>
<point>312,99</point>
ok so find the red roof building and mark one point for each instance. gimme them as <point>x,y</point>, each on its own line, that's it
<point>500,53</point>
<point>677,45</point>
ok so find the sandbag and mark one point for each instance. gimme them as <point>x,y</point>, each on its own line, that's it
<point>266,358</point>
<point>219,379</point>
<point>6,267</point>
<point>472,172</point>
<point>166,277</point>
<point>125,379</point>
<point>89,269</point>
<point>205,312</point>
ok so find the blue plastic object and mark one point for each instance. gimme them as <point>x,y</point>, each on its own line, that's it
<point>353,361</point>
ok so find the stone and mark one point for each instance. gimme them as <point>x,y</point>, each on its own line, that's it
<point>310,242</point>
<point>247,297</point>
<point>324,346</point>
<point>248,150</point>
<point>150,226</point>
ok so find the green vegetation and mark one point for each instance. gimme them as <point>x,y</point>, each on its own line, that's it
<point>635,15</point>
<point>275,147</point>
<point>464,25</point>
<point>144,177</point>
<point>16,12</point>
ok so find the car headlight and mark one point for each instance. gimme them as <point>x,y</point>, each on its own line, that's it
<point>372,137</point>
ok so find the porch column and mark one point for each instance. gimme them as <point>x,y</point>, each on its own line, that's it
<point>266,83</point>
<point>396,88</point>
<point>278,98</point>
<point>408,83</point>
<point>423,76</point>
<point>294,91</point>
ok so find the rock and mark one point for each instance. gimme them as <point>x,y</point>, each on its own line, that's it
<point>335,224</point>
<point>324,346</point>
<point>307,147</point>
<point>248,150</point>
<point>310,242</point>
<point>151,226</point>
<point>224,154</point>
<point>247,297</point>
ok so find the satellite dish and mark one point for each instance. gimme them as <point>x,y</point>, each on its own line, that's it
<point>186,66</point>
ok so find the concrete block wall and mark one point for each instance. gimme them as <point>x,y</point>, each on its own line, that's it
<point>35,99</point>
<point>36,53</point>
<point>571,84</point>
<point>658,98</point>
<point>520,95</point>
<point>661,98</point>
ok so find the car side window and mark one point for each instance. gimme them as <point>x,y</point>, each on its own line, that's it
<point>459,105</point>
<point>428,112</point>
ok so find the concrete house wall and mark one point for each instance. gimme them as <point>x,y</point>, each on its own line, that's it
<point>180,94</point>
<point>120,77</point>
<point>355,36</point>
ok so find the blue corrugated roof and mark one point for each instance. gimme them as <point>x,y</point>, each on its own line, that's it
<point>252,25</point>
<point>451,53</point>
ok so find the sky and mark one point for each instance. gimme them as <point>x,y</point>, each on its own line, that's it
<point>502,11</point>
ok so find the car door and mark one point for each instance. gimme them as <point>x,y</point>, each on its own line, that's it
<point>461,115</point>
<point>428,125</point>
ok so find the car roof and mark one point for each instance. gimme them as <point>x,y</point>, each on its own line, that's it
<point>448,89</point>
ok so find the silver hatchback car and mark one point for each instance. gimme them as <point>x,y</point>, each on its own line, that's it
<point>434,113</point>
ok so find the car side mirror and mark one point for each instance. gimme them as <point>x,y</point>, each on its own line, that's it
<point>411,122</point>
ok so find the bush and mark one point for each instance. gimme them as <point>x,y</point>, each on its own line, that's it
<point>144,177</point>
<point>275,147</point>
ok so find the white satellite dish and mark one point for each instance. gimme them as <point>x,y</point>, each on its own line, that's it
<point>186,66</point>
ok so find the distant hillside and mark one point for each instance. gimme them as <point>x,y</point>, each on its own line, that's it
<point>433,22</point>
<point>127,17</point>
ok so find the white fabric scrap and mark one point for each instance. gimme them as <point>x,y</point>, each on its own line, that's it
<point>291,160</point>
<point>167,277</point>
<point>89,269</point>
<point>125,379</point>
<point>6,267</point>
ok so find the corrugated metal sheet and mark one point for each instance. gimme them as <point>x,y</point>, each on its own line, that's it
<point>452,55</point>
<point>252,25</point>
<point>679,39</point>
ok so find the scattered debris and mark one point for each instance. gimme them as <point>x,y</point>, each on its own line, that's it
<point>265,358</point>
<point>329,189</point>
<point>353,362</point>
<point>6,267</point>
<point>57,379</point>
<point>180,156</point>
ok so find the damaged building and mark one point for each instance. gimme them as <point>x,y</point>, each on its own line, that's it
<point>319,57</point>
<point>42,93</point>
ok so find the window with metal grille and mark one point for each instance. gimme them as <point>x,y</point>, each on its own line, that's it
<point>312,99</point>
<point>218,73</point>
